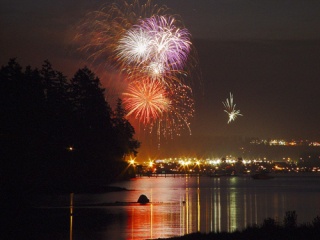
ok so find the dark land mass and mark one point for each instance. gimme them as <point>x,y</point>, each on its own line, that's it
<point>268,230</point>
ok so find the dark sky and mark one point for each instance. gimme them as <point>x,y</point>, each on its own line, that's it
<point>267,53</point>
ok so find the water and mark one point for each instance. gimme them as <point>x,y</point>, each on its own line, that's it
<point>178,206</point>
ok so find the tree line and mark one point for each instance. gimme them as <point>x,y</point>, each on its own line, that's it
<point>58,132</point>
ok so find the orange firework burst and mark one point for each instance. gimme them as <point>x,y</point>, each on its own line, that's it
<point>169,110</point>
<point>146,99</point>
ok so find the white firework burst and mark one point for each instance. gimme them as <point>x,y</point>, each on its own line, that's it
<point>230,109</point>
<point>135,46</point>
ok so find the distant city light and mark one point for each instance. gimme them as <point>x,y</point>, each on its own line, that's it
<point>282,142</point>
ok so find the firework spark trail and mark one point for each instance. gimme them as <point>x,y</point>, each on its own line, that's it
<point>102,34</point>
<point>180,113</point>
<point>146,99</point>
<point>99,32</point>
<point>134,47</point>
<point>230,109</point>
<point>171,44</point>
<point>156,47</point>
<point>177,117</point>
<point>153,51</point>
<point>157,106</point>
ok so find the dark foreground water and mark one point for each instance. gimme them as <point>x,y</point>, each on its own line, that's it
<point>178,206</point>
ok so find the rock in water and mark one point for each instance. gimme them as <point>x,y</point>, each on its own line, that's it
<point>143,199</point>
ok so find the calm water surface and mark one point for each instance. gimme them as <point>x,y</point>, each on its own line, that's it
<point>179,206</point>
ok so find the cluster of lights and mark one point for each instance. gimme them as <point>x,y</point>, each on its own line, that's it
<point>190,165</point>
<point>198,162</point>
<point>281,142</point>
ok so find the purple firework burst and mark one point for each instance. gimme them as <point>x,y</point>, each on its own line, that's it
<point>171,45</point>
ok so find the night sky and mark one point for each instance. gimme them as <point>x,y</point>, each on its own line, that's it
<point>267,53</point>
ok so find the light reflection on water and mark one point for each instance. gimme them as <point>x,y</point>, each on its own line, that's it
<point>184,205</point>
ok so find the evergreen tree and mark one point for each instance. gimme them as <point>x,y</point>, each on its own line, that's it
<point>125,132</point>
<point>88,100</point>
<point>93,134</point>
<point>57,115</point>
<point>59,133</point>
<point>21,133</point>
<point>11,96</point>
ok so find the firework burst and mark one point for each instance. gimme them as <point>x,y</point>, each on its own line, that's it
<point>230,109</point>
<point>153,52</point>
<point>171,44</point>
<point>155,47</point>
<point>99,32</point>
<point>134,47</point>
<point>146,100</point>
<point>168,110</point>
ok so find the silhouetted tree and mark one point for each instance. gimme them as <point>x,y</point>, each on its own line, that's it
<point>11,78</point>
<point>58,110</point>
<point>11,95</point>
<point>316,222</point>
<point>92,112</point>
<point>124,132</point>
<point>21,123</point>
<point>94,137</point>
<point>59,133</point>
<point>290,219</point>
